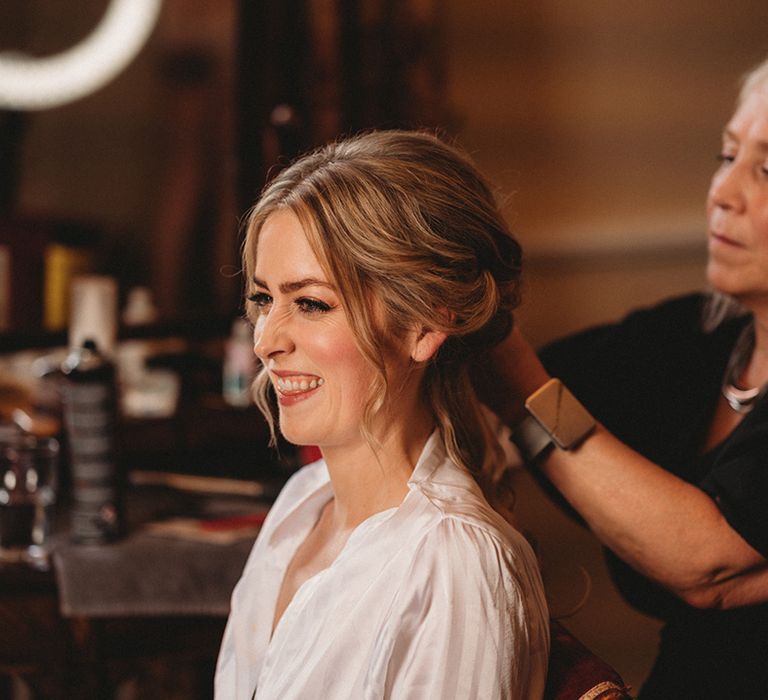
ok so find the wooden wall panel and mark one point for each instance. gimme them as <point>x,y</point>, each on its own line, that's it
<point>602,119</point>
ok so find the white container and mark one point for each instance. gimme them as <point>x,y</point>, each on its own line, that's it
<point>93,312</point>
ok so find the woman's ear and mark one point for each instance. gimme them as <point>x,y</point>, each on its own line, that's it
<point>427,344</point>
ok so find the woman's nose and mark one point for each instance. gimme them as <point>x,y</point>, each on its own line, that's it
<point>727,188</point>
<point>270,336</point>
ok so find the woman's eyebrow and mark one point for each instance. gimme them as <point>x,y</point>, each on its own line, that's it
<point>289,287</point>
<point>729,135</point>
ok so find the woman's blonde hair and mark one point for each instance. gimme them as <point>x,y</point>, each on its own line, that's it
<point>403,219</point>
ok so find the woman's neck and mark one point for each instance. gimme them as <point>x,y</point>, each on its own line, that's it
<point>367,481</point>
<point>756,371</point>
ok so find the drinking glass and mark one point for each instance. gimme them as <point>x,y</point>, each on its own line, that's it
<point>28,480</point>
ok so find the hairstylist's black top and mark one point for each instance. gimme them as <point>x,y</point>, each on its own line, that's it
<point>653,380</point>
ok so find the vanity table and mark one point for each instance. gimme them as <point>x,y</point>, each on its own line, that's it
<point>143,608</point>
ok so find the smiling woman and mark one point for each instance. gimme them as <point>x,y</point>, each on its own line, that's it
<point>305,342</point>
<point>378,268</point>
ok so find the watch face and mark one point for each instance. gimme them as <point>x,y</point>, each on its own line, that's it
<point>560,414</point>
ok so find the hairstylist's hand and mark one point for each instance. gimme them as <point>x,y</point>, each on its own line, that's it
<point>508,375</point>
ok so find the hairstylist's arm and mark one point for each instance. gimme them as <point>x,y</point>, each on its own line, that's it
<point>666,528</point>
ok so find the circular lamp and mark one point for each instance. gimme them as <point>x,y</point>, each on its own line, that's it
<point>28,83</point>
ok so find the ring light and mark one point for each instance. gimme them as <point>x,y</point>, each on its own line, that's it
<point>28,83</point>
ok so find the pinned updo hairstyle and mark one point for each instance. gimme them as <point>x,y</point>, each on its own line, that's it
<point>404,219</point>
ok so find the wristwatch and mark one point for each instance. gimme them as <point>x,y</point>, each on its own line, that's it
<point>555,417</point>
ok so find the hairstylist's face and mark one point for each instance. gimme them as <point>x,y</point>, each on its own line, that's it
<point>303,337</point>
<point>737,205</point>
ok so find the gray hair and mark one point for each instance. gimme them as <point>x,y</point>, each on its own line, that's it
<point>752,80</point>
<point>719,307</point>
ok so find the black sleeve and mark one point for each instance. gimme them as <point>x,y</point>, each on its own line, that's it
<point>638,375</point>
<point>614,371</point>
<point>738,480</point>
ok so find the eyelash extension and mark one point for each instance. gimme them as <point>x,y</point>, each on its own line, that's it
<point>305,304</point>
<point>259,298</point>
<point>312,305</point>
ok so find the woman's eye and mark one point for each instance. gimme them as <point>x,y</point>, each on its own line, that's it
<point>312,305</point>
<point>725,158</point>
<point>261,300</point>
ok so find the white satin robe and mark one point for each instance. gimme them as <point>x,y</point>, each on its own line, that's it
<point>438,598</point>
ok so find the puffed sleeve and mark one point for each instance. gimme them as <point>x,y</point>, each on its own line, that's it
<point>471,622</point>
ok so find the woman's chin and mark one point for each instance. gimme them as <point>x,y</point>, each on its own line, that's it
<point>721,280</point>
<point>295,437</point>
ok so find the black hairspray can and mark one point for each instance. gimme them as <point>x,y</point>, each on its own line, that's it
<point>90,417</point>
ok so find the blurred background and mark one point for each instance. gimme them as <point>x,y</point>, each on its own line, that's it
<point>598,122</point>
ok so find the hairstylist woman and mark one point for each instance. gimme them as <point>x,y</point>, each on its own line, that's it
<point>673,478</point>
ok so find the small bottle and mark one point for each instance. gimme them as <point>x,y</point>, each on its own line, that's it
<point>239,367</point>
<point>140,309</point>
<point>90,417</point>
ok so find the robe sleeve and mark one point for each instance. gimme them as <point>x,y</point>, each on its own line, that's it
<point>471,623</point>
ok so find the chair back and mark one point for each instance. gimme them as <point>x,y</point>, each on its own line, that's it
<point>576,673</point>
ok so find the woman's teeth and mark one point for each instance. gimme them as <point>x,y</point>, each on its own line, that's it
<point>305,384</point>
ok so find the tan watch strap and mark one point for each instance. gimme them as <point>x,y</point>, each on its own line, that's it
<point>555,416</point>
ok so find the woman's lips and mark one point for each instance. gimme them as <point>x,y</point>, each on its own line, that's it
<point>292,388</point>
<point>723,239</point>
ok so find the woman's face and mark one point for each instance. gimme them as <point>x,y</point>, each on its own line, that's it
<point>737,205</point>
<point>303,337</point>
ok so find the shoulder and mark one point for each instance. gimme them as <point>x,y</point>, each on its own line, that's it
<point>624,372</point>
<point>470,579</point>
<point>460,520</point>
<point>650,327</point>
<point>475,547</point>
<point>687,309</point>
<point>455,535</point>
<point>470,594</point>
<point>665,340</point>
